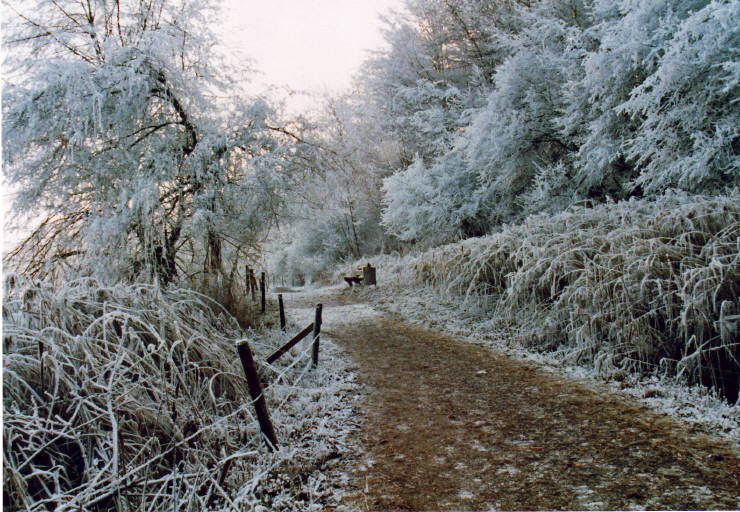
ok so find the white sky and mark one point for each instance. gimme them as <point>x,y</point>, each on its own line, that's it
<point>307,45</point>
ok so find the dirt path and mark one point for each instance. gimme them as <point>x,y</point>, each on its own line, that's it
<point>449,425</point>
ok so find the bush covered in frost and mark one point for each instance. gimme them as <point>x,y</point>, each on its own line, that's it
<point>588,99</point>
<point>638,285</point>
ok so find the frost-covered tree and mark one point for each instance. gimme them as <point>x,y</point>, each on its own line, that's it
<point>436,203</point>
<point>516,134</point>
<point>335,212</point>
<point>511,140</point>
<point>614,59</point>
<point>654,103</point>
<point>439,62</point>
<point>409,97</point>
<point>596,99</point>
<point>124,131</point>
<point>437,72</point>
<point>689,106</point>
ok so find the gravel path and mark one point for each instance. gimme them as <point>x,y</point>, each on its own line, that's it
<point>446,425</point>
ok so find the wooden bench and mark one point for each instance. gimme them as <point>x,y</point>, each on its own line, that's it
<point>353,279</point>
<point>363,275</point>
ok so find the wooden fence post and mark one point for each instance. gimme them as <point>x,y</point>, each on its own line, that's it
<point>316,332</point>
<point>368,275</point>
<point>262,291</point>
<point>258,397</point>
<point>282,311</point>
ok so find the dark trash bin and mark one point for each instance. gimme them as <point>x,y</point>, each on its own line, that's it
<point>368,275</point>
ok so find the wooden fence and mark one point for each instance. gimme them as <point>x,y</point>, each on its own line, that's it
<point>250,368</point>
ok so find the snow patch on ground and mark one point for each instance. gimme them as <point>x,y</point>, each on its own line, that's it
<point>302,307</point>
<point>466,495</point>
<point>350,313</point>
<point>507,470</point>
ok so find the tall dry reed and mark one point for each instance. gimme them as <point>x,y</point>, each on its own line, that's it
<point>637,286</point>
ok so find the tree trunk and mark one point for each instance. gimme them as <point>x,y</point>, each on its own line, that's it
<point>354,231</point>
<point>213,255</point>
<point>164,258</point>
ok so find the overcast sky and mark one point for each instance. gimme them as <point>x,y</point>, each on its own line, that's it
<point>313,45</point>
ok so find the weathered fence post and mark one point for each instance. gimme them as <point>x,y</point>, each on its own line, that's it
<point>250,282</point>
<point>254,286</point>
<point>262,291</point>
<point>316,333</point>
<point>258,397</point>
<point>282,311</point>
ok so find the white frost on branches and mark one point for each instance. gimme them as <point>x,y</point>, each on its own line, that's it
<point>583,100</point>
<point>124,129</point>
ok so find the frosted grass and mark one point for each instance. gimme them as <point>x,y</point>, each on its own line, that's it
<point>143,405</point>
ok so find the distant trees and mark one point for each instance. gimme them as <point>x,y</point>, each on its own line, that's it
<point>440,61</point>
<point>335,210</point>
<point>124,130</point>
<point>493,111</point>
<point>552,102</point>
<point>480,53</point>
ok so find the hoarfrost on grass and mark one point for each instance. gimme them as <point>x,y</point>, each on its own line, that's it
<point>142,403</point>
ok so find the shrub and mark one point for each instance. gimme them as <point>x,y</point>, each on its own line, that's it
<point>637,285</point>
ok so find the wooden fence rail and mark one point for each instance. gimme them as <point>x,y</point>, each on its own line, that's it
<point>314,328</point>
<point>295,339</point>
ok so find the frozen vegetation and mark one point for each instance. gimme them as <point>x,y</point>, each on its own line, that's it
<point>479,114</point>
<point>562,176</point>
<point>635,290</point>
<point>128,397</point>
